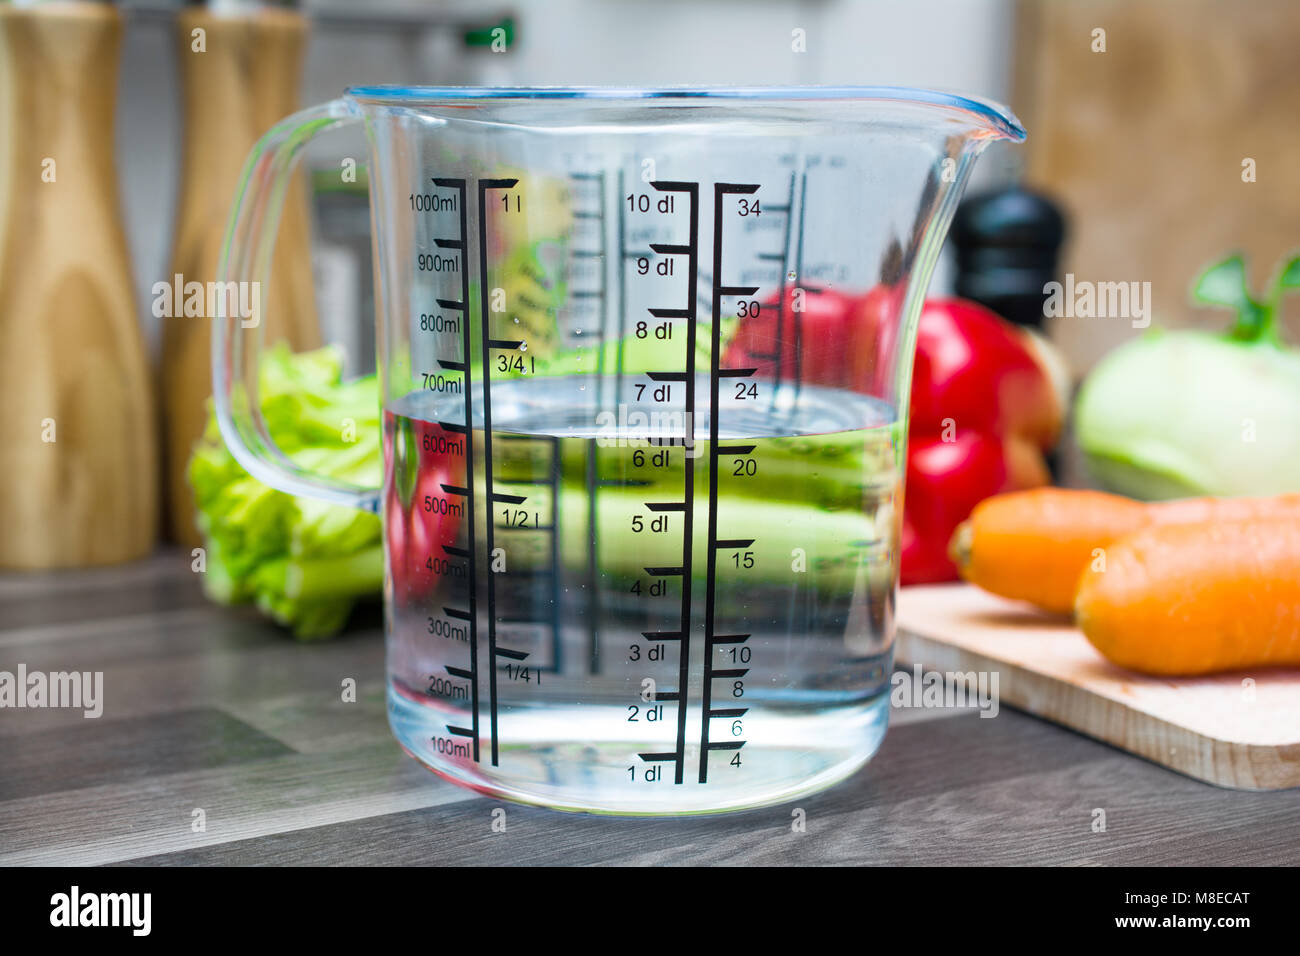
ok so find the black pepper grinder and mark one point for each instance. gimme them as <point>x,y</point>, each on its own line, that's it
<point>1007,244</point>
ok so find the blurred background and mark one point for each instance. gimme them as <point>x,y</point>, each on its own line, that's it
<point>1141,145</point>
<point>965,46</point>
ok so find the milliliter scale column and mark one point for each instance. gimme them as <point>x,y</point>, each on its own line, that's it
<point>468,492</point>
<point>468,554</point>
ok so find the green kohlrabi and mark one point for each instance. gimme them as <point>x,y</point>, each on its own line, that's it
<point>1182,413</point>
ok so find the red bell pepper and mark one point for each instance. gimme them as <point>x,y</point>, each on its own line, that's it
<point>984,413</point>
<point>807,337</point>
<point>984,409</point>
<point>416,530</point>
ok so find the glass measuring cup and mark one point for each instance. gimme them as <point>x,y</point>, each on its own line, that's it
<point>644,358</point>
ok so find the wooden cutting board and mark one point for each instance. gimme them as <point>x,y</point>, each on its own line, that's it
<point>1237,730</point>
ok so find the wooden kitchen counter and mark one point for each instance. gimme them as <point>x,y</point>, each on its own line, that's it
<point>212,709</point>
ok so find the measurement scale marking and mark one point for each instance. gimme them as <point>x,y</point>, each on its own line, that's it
<point>621,311</point>
<point>782,257</point>
<point>726,543</point>
<point>665,572</point>
<point>732,673</point>
<point>714,544</point>
<point>655,757</point>
<point>593,485</point>
<point>490,526</point>
<point>691,251</point>
<point>719,639</point>
<point>798,270</point>
<point>470,616</point>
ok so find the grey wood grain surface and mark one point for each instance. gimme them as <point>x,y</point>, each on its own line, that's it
<point>214,710</point>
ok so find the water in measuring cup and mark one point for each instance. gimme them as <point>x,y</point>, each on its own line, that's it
<point>543,659</point>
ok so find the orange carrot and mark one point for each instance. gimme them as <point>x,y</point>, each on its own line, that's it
<point>1034,545</point>
<point>1186,599</point>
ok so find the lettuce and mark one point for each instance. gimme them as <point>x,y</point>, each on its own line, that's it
<point>303,562</point>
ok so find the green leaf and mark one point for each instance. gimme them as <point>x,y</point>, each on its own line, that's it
<point>1289,278</point>
<point>1224,284</point>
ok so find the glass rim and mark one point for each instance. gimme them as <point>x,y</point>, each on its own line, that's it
<point>992,113</point>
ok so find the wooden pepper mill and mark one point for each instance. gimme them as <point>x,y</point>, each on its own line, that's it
<point>240,72</point>
<point>78,437</point>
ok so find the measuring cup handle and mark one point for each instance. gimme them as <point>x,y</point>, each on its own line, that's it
<point>237,342</point>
